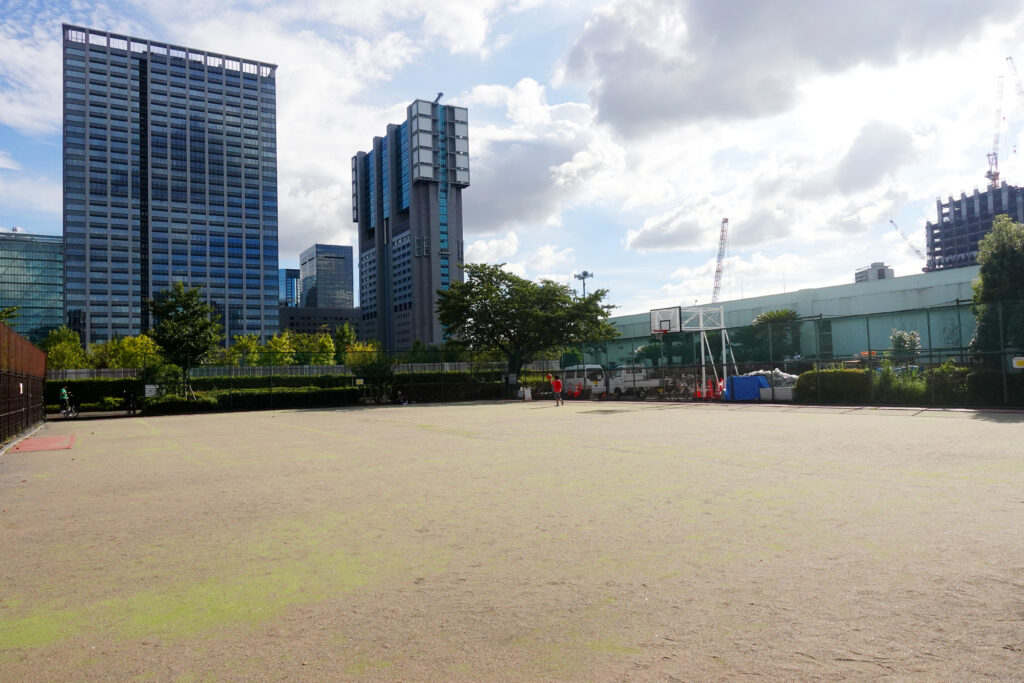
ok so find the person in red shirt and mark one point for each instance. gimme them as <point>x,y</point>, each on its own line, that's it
<point>556,389</point>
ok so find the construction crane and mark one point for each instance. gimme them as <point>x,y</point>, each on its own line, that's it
<point>722,239</point>
<point>993,156</point>
<point>907,239</point>
<point>1016,80</point>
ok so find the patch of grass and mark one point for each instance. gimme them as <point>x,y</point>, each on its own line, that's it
<point>364,665</point>
<point>253,580</point>
<point>40,628</point>
<point>607,646</point>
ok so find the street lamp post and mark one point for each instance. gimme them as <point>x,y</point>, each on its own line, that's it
<point>583,276</point>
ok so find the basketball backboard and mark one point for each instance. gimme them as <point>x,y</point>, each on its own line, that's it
<point>665,320</point>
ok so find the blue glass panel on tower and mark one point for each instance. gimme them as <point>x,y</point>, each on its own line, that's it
<point>200,129</point>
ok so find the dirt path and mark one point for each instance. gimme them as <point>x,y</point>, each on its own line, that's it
<point>597,541</point>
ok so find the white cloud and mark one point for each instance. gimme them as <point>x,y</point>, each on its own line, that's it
<point>493,251</point>
<point>7,162</point>
<point>30,78</point>
<point>21,192</point>
<point>548,257</point>
<point>658,62</point>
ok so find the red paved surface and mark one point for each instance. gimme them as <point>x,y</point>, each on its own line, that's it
<point>45,443</point>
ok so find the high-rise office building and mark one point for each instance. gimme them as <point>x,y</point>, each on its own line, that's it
<point>289,287</point>
<point>170,174</point>
<point>407,200</point>
<point>32,278</point>
<point>326,272</point>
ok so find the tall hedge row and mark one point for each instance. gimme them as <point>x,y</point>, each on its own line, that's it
<point>835,386</point>
<point>91,390</point>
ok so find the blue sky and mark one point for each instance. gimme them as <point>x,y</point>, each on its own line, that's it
<point>611,137</point>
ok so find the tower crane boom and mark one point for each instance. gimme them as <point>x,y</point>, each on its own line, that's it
<point>722,239</point>
<point>993,156</point>
<point>1016,80</point>
<point>907,239</point>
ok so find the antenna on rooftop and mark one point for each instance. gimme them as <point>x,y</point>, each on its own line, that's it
<point>438,98</point>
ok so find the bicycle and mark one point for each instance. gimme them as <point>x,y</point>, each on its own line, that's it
<point>70,409</point>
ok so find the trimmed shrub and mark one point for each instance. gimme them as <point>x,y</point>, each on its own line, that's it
<point>899,385</point>
<point>284,398</point>
<point>226,382</point>
<point>985,386</point>
<point>948,383</point>
<point>176,405</point>
<point>92,391</point>
<point>837,386</point>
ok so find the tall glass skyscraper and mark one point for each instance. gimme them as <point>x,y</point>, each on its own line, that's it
<point>407,200</point>
<point>32,278</point>
<point>170,174</point>
<point>326,271</point>
<point>289,287</point>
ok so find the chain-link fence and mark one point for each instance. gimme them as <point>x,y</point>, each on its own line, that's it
<point>22,374</point>
<point>928,356</point>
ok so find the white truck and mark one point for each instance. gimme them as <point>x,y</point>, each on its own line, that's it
<point>634,380</point>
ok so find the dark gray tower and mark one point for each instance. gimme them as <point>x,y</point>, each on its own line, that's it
<point>170,175</point>
<point>407,201</point>
<point>326,272</point>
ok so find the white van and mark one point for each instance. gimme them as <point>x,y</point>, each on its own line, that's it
<point>583,381</point>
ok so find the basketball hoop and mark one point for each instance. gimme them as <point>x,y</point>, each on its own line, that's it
<point>665,328</point>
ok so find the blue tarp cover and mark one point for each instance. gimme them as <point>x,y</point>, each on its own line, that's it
<point>745,388</point>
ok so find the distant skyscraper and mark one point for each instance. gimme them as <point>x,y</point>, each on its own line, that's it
<point>289,286</point>
<point>326,271</point>
<point>407,200</point>
<point>32,278</point>
<point>170,174</point>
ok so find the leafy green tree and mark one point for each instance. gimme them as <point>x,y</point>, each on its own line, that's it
<point>344,336</point>
<point>999,289</point>
<point>245,348</point>
<point>313,349</point>
<point>494,309</point>
<point>749,343</point>
<point>366,359</point>
<point>782,328</point>
<point>651,352</point>
<point>570,357</point>
<point>279,349</point>
<point>187,329</point>
<point>8,313</point>
<point>64,350</point>
<point>127,352</point>
<point>101,354</point>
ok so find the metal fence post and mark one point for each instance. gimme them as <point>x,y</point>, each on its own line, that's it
<point>1002,354</point>
<point>871,367</point>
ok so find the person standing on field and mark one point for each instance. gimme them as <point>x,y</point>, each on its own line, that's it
<point>556,389</point>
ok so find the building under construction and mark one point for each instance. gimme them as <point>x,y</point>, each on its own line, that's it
<point>953,240</point>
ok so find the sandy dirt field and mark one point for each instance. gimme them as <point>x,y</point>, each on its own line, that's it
<point>518,541</point>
